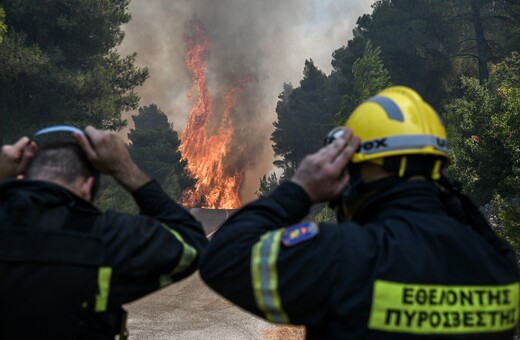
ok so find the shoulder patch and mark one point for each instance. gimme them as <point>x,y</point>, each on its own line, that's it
<point>300,233</point>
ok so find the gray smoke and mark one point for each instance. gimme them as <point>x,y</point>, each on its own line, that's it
<point>264,40</point>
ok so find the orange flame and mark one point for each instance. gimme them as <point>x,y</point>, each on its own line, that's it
<point>205,154</point>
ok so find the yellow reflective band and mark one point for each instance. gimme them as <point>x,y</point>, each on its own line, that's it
<point>104,275</point>
<point>402,166</point>
<point>264,276</point>
<point>188,255</point>
<point>436,309</point>
<point>436,172</point>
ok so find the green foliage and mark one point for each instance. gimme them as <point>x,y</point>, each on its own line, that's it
<point>3,27</point>
<point>58,65</point>
<point>481,27</point>
<point>267,185</point>
<point>21,66</point>
<point>428,45</point>
<point>284,131</point>
<point>484,132</point>
<point>413,36</point>
<point>72,31</point>
<point>107,90</point>
<point>508,213</point>
<point>369,76</point>
<point>172,184</point>
<point>113,196</point>
<point>304,117</point>
<point>154,148</point>
<point>324,214</point>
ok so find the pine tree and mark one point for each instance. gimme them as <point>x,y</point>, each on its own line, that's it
<point>154,147</point>
<point>304,117</point>
<point>267,185</point>
<point>59,65</point>
<point>369,76</point>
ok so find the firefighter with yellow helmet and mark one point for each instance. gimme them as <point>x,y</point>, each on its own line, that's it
<point>410,256</point>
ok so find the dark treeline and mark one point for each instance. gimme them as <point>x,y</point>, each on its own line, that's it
<point>58,65</point>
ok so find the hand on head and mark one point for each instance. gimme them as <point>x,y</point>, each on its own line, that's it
<point>323,175</point>
<point>105,149</point>
<point>15,158</point>
<point>109,154</point>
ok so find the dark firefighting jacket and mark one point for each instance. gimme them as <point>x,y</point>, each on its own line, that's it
<point>66,268</point>
<point>409,266</point>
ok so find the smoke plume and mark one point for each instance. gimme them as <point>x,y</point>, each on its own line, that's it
<point>263,41</point>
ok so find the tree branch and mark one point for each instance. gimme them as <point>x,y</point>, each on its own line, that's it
<point>464,55</point>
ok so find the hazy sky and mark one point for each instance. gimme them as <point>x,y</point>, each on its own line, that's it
<point>269,39</point>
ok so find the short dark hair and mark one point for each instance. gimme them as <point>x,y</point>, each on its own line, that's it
<point>63,161</point>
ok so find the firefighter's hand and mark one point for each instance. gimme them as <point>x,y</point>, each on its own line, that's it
<point>323,174</point>
<point>15,158</point>
<point>109,154</point>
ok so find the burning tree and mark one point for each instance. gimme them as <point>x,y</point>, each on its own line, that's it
<point>205,150</point>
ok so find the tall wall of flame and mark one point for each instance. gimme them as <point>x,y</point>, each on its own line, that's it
<point>207,150</point>
<point>266,41</point>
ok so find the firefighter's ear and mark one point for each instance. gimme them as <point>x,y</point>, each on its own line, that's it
<point>86,188</point>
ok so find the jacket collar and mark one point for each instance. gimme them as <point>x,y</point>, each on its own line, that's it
<point>27,193</point>
<point>412,195</point>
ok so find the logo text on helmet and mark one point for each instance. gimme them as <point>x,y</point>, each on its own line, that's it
<point>374,144</point>
<point>442,143</point>
<point>403,142</point>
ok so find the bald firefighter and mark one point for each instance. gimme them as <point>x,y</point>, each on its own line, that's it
<point>410,257</point>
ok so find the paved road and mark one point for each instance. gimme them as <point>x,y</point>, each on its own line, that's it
<point>188,310</point>
<point>211,219</point>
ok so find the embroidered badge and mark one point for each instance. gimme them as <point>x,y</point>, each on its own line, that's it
<point>300,233</point>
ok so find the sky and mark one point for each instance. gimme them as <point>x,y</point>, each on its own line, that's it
<point>268,40</point>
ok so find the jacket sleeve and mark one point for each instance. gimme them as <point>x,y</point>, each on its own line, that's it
<point>151,250</point>
<point>247,262</point>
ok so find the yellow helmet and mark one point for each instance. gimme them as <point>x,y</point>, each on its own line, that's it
<point>398,122</point>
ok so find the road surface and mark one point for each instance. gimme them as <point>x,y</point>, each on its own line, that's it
<point>188,310</point>
<point>211,219</point>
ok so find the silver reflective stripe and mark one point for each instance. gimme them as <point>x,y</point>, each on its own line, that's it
<point>392,110</point>
<point>265,277</point>
<point>403,142</point>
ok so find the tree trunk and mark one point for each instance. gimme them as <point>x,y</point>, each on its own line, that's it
<point>482,48</point>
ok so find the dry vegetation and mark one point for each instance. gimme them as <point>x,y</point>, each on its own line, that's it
<point>284,333</point>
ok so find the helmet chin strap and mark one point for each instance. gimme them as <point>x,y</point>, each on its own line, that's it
<point>355,187</point>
